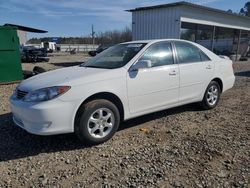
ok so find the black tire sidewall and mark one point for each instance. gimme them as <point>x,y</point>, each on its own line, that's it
<point>206,105</point>
<point>82,126</point>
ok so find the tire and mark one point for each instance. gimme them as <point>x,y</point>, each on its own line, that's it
<point>38,70</point>
<point>211,96</point>
<point>91,127</point>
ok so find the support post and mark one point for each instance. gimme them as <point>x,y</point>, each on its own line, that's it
<point>213,37</point>
<point>238,45</point>
<point>93,34</point>
<point>196,32</point>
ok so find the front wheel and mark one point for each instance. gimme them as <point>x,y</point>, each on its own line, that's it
<point>211,96</point>
<point>97,122</point>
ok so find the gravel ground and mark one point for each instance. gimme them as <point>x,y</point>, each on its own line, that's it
<point>58,60</point>
<point>180,147</point>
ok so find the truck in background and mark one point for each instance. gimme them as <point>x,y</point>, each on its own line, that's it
<point>49,46</point>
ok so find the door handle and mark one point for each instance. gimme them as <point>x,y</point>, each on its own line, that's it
<point>173,73</point>
<point>208,67</point>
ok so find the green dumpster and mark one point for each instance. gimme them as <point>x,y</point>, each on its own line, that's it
<point>10,61</point>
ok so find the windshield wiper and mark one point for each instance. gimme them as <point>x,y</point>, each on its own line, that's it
<point>92,66</point>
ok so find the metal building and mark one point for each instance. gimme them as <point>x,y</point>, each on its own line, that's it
<point>22,32</point>
<point>223,32</point>
<point>22,35</point>
<point>10,60</point>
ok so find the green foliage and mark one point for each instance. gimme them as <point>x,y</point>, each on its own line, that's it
<point>108,37</point>
<point>245,11</point>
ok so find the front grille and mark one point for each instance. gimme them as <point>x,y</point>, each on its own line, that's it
<point>20,94</point>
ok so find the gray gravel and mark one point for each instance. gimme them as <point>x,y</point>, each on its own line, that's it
<point>58,60</point>
<point>180,147</point>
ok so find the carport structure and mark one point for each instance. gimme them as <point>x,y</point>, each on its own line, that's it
<point>223,32</point>
<point>10,60</point>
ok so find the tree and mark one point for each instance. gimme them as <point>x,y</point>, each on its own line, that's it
<point>114,37</point>
<point>245,11</point>
<point>107,37</point>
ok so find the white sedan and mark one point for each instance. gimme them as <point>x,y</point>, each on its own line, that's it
<point>125,81</point>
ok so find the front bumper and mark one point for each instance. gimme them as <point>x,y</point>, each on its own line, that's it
<point>45,118</point>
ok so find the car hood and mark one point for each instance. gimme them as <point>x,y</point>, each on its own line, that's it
<point>70,76</point>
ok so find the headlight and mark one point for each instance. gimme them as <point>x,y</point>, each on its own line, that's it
<point>46,94</point>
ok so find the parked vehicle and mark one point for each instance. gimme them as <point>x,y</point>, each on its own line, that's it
<point>125,81</point>
<point>99,49</point>
<point>50,47</point>
<point>33,54</point>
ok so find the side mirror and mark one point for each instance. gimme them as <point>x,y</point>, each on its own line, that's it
<point>141,64</point>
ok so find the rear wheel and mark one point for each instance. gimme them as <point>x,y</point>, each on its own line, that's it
<point>211,96</point>
<point>97,122</point>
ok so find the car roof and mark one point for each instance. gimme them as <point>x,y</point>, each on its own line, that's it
<point>156,40</point>
<point>150,42</point>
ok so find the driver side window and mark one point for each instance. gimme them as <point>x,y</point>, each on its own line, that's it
<point>159,54</point>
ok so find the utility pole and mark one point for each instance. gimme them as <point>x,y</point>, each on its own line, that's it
<point>93,34</point>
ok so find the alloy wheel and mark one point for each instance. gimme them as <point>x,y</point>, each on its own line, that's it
<point>101,122</point>
<point>212,95</point>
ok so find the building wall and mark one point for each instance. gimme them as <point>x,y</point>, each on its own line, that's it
<point>156,23</point>
<point>22,37</point>
<point>78,47</point>
<point>69,47</point>
<point>165,22</point>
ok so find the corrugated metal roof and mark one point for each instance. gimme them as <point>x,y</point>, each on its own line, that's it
<point>24,28</point>
<point>184,3</point>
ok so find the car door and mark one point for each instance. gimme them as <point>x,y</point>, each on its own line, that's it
<point>152,88</point>
<point>195,69</point>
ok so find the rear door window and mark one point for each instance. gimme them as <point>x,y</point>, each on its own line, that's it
<point>188,53</point>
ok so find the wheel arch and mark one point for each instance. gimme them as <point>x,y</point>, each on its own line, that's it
<point>219,81</point>
<point>101,95</point>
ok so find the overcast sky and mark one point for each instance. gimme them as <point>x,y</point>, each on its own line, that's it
<point>74,17</point>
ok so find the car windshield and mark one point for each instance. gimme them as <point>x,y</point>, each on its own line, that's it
<point>115,57</point>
